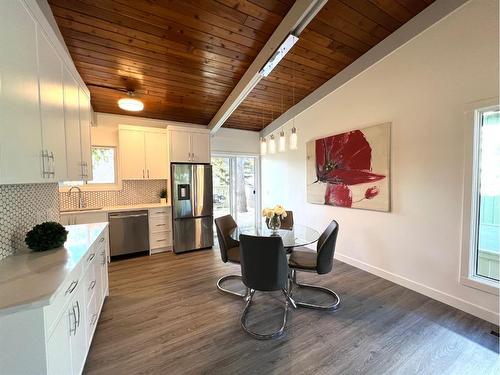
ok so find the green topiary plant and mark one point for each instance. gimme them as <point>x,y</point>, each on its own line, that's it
<point>46,236</point>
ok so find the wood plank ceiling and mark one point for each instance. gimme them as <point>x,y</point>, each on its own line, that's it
<point>183,57</point>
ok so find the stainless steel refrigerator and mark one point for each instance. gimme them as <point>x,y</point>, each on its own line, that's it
<point>192,206</point>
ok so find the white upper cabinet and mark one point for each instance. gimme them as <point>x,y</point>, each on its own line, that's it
<point>51,111</point>
<point>180,146</point>
<point>72,126</point>
<point>143,153</point>
<point>200,147</point>
<point>86,157</point>
<point>20,133</point>
<point>156,155</point>
<point>189,145</point>
<point>132,154</point>
<point>42,137</point>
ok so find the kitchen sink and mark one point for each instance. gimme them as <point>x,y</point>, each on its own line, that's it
<point>82,209</point>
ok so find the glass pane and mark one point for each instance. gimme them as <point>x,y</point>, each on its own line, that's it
<point>103,165</point>
<point>488,242</point>
<point>245,191</point>
<point>221,186</point>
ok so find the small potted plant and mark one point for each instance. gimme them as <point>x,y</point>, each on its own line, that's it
<point>273,217</point>
<point>163,196</point>
<point>46,236</point>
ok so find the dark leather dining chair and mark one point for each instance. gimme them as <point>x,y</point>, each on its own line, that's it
<point>229,249</point>
<point>287,222</point>
<point>264,267</point>
<point>320,262</point>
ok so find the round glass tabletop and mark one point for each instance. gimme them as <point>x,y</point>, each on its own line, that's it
<point>298,235</point>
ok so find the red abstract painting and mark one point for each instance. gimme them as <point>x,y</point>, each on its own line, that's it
<point>344,173</point>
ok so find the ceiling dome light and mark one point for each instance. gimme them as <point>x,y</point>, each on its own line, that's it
<point>130,104</point>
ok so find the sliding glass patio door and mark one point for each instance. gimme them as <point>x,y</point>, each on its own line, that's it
<point>235,183</point>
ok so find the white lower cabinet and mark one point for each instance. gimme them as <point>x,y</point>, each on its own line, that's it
<point>58,347</point>
<point>160,229</point>
<point>55,339</point>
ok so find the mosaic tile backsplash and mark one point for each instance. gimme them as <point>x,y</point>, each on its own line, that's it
<point>133,192</point>
<point>21,207</point>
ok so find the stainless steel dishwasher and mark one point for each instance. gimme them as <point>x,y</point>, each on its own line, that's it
<point>128,232</point>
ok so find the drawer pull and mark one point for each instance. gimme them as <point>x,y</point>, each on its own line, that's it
<point>160,225</point>
<point>72,331</point>
<point>94,319</point>
<point>163,240</point>
<point>92,285</point>
<point>102,239</point>
<point>72,287</point>
<point>91,256</point>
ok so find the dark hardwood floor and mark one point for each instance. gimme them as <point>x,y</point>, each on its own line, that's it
<point>165,316</point>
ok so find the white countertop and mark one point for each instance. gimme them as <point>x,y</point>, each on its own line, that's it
<point>132,207</point>
<point>30,279</point>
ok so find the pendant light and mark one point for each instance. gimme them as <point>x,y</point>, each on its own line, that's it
<point>282,142</point>
<point>272,144</point>
<point>293,137</point>
<point>293,134</point>
<point>130,104</point>
<point>263,146</point>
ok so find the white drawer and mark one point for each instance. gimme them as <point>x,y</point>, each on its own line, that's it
<point>159,211</point>
<point>63,296</point>
<point>160,239</point>
<point>159,224</point>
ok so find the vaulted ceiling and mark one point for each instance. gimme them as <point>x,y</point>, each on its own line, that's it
<point>183,57</point>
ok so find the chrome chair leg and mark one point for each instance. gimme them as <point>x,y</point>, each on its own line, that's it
<point>228,291</point>
<point>332,306</point>
<point>256,335</point>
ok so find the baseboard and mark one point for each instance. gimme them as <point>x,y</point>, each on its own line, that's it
<point>448,299</point>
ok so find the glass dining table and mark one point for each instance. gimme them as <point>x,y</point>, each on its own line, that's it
<point>295,236</point>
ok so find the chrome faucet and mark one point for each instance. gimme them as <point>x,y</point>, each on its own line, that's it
<point>81,204</point>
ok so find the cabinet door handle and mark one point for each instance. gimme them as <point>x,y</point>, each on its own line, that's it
<point>148,173</point>
<point>91,256</point>
<point>72,287</point>
<point>78,307</point>
<point>72,331</point>
<point>102,239</point>
<point>92,285</point>
<point>143,173</point>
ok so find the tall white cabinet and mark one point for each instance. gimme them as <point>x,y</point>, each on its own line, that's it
<point>44,105</point>
<point>51,109</point>
<point>20,136</point>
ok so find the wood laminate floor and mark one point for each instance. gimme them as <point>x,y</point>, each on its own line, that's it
<point>165,316</point>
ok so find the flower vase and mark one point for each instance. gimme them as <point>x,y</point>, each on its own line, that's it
<point>275,223</point>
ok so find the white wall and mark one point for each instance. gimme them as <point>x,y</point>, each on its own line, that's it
<point>235,141</point>
<point>423,88</point>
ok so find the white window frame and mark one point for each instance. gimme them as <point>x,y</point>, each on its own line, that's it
<point>256,182</point>
<point>470,207</point>
<point>117,186</point>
